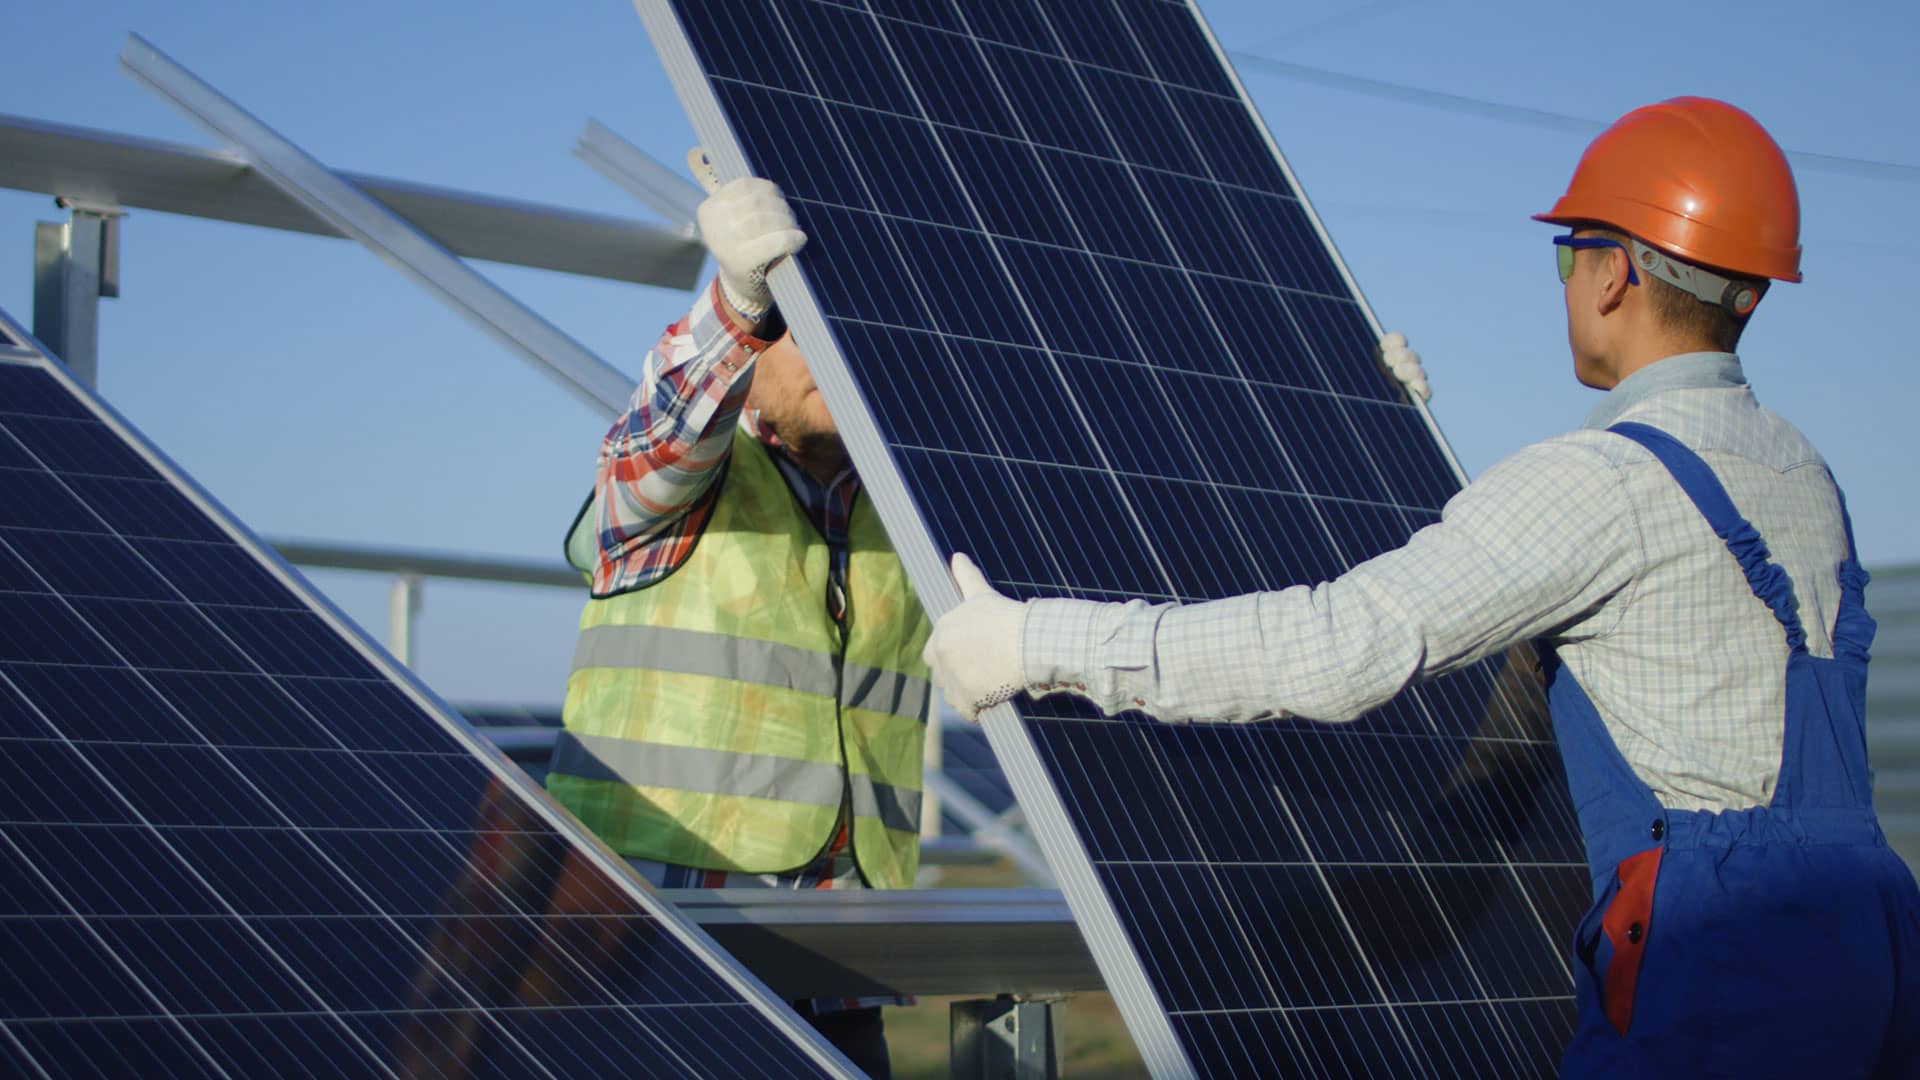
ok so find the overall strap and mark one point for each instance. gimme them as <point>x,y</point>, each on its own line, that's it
<point>1767,580</point>
<point>1853,628</point>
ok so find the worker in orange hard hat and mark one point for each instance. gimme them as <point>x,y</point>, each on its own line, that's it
<point>1685,565</point>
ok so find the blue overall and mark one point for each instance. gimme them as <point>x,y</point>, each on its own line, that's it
<point>1781,940</point>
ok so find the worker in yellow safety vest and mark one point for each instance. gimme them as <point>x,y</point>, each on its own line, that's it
<point>747,704</point>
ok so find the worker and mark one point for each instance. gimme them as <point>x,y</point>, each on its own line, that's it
<point>747,704</point>
<point>1686,561</point>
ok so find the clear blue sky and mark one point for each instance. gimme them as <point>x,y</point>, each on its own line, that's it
<point>322,396</point>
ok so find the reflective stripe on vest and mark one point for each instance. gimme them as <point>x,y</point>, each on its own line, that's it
<point>762,663</point>
<point>719,717</point>
<point>719,772</point>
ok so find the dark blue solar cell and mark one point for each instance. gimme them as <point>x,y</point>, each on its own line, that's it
<point>1206,236</point>
<point>28,391</point>
<point>263,1045</point>
<point>1107,208</point>
<point>837,270</point>
<point>841,49</point>
<point>76,446</point>
<point>1234,151</point>
<point>962,282</point>
<point>160,634</point>
<point>938,13</point>
<point>368,715</point>
<point>1257,1043</point>
<point>36,500</point>
<point>1142,121</point>
<point>1049,101</point>
<point>1086,321</point>
<point>114,870</point>
<point>56,967</point>
<point>101,704</point>
<point>12,454</point>
<point>81,564</point>
<point>713,29</point>
<point>1177,51</point>
<point>216,574</point>
<point>1104,41</point>
<point>290,643</point>
<point>142,508</point>
<point>45,630</point>
<point>189,964</point>
<point>950,79</point>
<point>1011,22</point>
<point>1092,760</point>
<point>42,779</point>
<point>798,155</point>
<point>239,710</point>
<point>1011,194</point>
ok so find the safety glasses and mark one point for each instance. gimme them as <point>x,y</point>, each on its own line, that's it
<point>1565,246</point>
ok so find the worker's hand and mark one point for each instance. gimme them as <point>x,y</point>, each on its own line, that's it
<point>748,227</point>
<point>1404,364</point>
<point>975,648</point>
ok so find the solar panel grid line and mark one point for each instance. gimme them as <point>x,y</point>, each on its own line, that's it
<point>1375,532</point>
<point>125,967</point>
<point>422,702</point>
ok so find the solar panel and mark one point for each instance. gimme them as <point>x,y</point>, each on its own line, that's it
<point>1073,316</point>
<point>237,839</point>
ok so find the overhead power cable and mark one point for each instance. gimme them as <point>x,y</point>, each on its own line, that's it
<point>1540,118</point>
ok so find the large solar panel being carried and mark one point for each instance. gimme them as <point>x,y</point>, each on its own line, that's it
<point>1074,316</point>
<point>237,840</point>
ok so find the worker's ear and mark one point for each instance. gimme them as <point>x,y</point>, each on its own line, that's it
<point>1614,281</point>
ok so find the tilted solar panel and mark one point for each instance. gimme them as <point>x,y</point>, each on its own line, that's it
<point>1074,317</point>
<point>236,839</point>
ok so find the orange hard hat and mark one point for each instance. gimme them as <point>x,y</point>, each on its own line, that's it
<point>1696,178</point>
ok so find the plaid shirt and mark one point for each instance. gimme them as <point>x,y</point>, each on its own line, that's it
<point>654,484</point>
<point>1584,540</point>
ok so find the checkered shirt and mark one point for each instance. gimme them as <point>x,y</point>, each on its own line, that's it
<point>1584,541</point>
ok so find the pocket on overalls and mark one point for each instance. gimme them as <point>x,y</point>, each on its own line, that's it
<point>1625,928</point>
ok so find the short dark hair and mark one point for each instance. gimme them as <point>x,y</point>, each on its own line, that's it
<point>1685,313</point>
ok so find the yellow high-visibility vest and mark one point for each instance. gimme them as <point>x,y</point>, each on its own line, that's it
<point>718,717</point>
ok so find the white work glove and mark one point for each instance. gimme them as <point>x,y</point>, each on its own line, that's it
<point>1404,364</point>
<point>975,648</point>
<point>748,227</point>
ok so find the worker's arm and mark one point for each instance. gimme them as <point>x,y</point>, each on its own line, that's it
<point>662,456</point>
<point>1533,547</point>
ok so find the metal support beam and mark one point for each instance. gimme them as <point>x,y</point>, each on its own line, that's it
<point>862,942</point>
<point>128,170</point>
<point>74,265</point>
<point>358,215</point>
<point>1006,1039</point>
<point>428,564</point>
<point>671,195</point>
<point>988,829</point>
<point>403,607</point>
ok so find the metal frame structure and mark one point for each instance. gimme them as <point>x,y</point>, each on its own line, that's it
<point>390,236</point>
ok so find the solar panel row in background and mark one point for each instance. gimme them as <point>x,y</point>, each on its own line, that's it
<point>235,841</point>
<point>1073,317</point>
